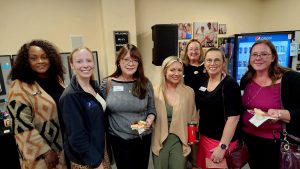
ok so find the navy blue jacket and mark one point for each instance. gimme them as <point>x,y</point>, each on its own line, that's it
<point>83,117</point>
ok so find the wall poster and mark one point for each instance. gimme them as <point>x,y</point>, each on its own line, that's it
<point>206,33</point>
<point>121,38</point>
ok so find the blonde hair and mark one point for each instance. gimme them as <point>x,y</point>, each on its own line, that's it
<point>78,49</point>
<point>166,63</point>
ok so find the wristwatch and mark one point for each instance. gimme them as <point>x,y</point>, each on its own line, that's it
<point>223,146</point>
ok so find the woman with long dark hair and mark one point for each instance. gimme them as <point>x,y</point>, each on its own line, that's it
<point>130,99</point>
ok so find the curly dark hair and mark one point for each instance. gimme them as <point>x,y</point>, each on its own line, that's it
<point>22,71</point>
<point>140,87</point>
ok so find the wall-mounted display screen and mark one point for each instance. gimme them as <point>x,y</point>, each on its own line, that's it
<point>243,45</point>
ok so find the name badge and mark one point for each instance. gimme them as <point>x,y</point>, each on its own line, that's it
<point>203,89</point>
<point>118,88</point>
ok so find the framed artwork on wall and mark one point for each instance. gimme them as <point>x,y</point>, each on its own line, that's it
<point>181,47</point>
<point>222,29</point>
<point>185,31</point>
<point>206,33</point>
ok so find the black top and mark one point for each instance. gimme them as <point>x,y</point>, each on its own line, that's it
<point>212,116</point>
<point>194,76</point>
<point>54,89</point>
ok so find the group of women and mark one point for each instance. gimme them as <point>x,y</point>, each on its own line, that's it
<point>57,126</point>
<point>226,109</point>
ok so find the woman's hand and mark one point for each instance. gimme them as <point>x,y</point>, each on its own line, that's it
<point>279,114</point>
<point>275,114</point>
<point>149,120</point>
<point>51,159</point>
<point>217,154</point>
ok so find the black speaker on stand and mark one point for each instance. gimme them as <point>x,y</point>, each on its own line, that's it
<point>165,40</point>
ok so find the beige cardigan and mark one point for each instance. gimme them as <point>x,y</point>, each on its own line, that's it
<point>184,111</point>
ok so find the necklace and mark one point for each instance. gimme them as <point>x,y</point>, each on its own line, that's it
<point>87,88</point>
<point>249,100</point>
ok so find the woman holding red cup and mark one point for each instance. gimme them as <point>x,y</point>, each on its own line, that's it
<point>175,107</point>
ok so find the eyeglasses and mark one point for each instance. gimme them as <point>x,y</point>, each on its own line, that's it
<point>262,55</point>
<point>133,61</point>
<point>211,61</point>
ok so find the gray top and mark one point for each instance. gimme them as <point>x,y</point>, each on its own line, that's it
<point>124,108</point>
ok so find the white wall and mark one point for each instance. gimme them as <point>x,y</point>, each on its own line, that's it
<point>117,15</point>
<point>280,15</point>
<point>57,20</point>
<point>54,20</point>
<point>237,14</point>
<point>95,20</point>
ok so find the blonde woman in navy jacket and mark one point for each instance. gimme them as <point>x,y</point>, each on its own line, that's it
<point>83,113</point>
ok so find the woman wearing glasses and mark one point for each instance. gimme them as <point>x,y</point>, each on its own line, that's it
<point>193,64</point>
<point>220,104</point>
<point>129,98</point>
<point>193,75</point>
<point>265,87</point>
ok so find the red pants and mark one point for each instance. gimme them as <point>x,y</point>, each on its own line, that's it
<point>205,145</point>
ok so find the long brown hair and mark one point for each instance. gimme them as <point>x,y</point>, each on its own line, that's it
<point>275,71</point>
<point>140,87</point>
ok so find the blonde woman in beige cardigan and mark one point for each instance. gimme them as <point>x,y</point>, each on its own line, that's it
<point>175,107</point>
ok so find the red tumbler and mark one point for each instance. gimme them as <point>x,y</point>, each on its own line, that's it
<point>192,132</point>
